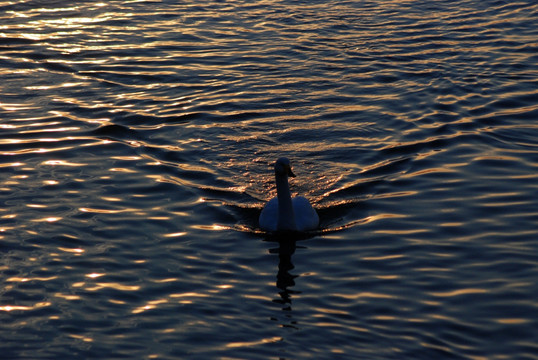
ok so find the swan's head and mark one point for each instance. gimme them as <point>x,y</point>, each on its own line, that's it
<point>283,167</point>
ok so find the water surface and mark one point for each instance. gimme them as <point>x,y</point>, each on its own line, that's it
<point>137,140</point>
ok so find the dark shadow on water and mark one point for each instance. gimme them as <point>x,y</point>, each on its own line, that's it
<point>285,280</point>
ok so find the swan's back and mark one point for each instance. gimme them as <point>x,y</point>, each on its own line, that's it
<point>306,218</point>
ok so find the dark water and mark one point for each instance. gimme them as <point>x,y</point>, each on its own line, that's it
<point>136,148</point>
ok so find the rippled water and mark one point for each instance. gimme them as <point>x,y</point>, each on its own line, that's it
<point>136,147</point>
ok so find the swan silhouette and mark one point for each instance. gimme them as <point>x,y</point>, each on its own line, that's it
<point>283,213</point>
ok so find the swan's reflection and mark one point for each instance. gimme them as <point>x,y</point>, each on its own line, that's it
<point>285,280</point>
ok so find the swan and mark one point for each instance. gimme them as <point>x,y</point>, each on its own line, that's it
<point>283,213</point>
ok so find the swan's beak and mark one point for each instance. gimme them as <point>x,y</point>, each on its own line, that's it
<point>290,173</point>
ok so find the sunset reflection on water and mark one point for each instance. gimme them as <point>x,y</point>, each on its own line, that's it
<point>137,149</point>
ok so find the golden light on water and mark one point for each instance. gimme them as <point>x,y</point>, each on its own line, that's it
<point>62,163</point>
<point>49,219</point>
<point>55,86</point>
<point>24,279</point>
<point>25,308</point>
<point>81,337</point>
<point>69,250</point>
<point>254,343</point>
<point>368,295</point>
<point>67,296</point>
<point>113,285</point>
<point>181,298</point>
<point>188,294</point>
<point>124,170</point>
<point>214,227</point>
<point>106,211</point>
<point>150,305</point>
<point>177,234</point>
<point>160,281</point>
<point>95,275</point>
<point>9,165</point>
<point>36,206</point>
<point>383,257</point>
<point>513,321</point>
<point>13,107</point>
<point>459,292</point>
<point>109,198</point>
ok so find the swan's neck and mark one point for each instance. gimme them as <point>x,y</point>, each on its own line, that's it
<point>286,216</point>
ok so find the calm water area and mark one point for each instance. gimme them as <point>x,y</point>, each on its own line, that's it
<point>137,140</point>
